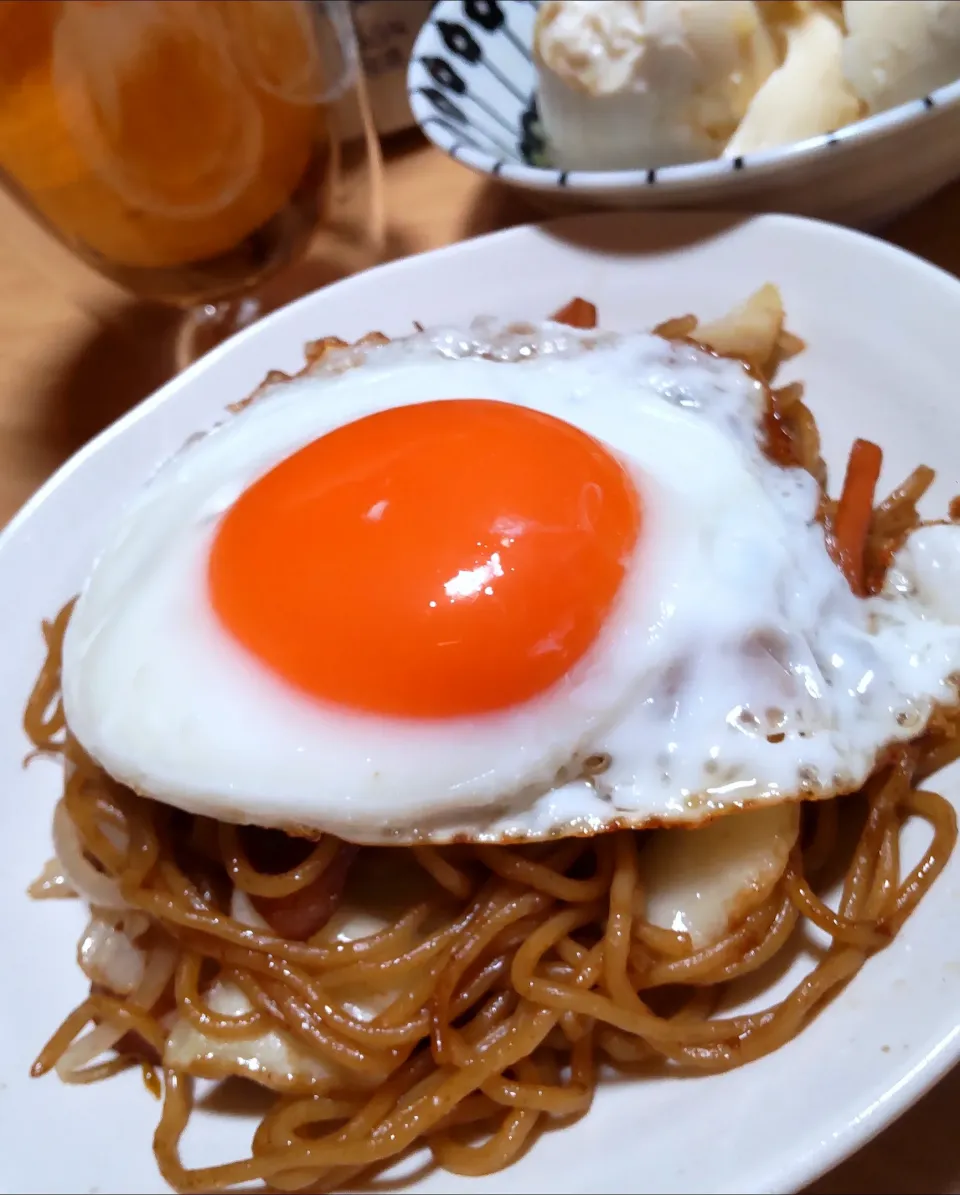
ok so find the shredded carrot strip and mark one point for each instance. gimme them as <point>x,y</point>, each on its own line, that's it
<point>851,523</point>
<point>578,313</point>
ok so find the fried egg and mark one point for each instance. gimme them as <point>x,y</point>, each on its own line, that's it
<point>491,584</point>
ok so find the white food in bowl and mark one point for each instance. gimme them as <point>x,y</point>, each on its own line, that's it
<point>900,50</point>
<point>804,97</point>
<point>626,83</point>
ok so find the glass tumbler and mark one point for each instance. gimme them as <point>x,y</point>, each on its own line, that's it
<point>190,149</point>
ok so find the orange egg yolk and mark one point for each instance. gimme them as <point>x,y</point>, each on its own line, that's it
<point>429,561</point>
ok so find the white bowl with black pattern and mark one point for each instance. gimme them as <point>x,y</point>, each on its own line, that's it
<point>472,88</point>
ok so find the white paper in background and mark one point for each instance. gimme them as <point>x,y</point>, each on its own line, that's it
<point>386,31</point>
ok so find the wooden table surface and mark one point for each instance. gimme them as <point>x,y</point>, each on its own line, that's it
<point>75,354</point>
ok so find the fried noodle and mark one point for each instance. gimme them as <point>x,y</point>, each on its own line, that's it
<point>521,972</point>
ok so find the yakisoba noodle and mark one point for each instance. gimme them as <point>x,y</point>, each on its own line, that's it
<point>513,974</point>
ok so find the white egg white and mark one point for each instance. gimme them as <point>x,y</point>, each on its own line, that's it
<point>737,668</point>
<point>927,570</point>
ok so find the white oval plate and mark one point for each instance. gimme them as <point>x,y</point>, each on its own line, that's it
<point>881,328</point>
